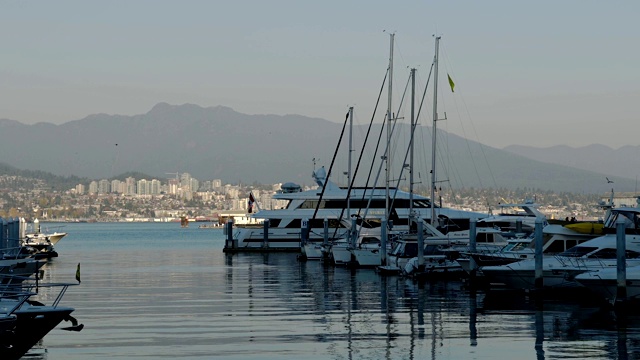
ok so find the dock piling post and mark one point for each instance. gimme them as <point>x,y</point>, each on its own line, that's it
<point>621,293</point>
<point>265,235</point>
<point>420,246</point>
<point>325,241</point>
<point>383,243</point>
<point>229,230</point>
<point>472,247</point>
<point>353,233</point>
<point>539,278</point>
<point>304,234</point>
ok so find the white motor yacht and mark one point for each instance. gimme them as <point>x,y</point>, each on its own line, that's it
<point>604,282</point>
<point>560,270</point>
<point>517,218</point>
<point>37,237</point>
<point>284,232</point>
<point>556,239</point>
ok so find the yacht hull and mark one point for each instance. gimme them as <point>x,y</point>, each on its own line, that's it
<point>31,326</point>
<point>367,257</point>
<point>313,251</point>
<point>341,254</point>
<point>605,283</point>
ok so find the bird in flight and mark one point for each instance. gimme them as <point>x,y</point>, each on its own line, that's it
<point>609,181</point>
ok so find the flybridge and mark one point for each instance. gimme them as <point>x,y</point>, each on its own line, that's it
<point>359,203</point>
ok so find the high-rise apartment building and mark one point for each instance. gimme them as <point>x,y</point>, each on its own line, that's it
<point>104,186</point>
<point>130,186</point>
<point>93,187</point>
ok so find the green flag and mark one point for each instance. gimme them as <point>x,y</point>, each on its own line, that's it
<point>451,83</point>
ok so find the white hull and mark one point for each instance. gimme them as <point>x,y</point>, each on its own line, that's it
<point>55,237</point>
<point>433,264</point>
<point>397,261</point>
<point>367,257</point>
<point>341,254</point>
<point>555,274</point>
<point>605,283</point>
<point>313,251</point>
<point>465,264</point>
<point>278,238</point>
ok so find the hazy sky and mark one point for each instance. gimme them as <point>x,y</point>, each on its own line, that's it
<point>537,73</point>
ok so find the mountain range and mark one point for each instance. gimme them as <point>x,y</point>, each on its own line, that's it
<point>622,162</point>
<point>220,143</point>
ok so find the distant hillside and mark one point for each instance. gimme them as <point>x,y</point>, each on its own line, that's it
<point>219,143</point>
<point>55,182</point>
<point>622,162</point>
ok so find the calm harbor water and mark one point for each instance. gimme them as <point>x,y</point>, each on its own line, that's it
<point>156,290</point>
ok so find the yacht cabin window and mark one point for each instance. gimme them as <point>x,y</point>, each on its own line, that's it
<point>557,246</point>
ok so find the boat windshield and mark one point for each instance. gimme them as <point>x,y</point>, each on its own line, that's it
<point>613,254</point>
<point>630,218</point>
<point>516,246</point>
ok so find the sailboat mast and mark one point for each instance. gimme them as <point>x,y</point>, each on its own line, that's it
<point>413,120</point>
<point>433,140</point>
<point>349,161</point>
<point>389,117</point>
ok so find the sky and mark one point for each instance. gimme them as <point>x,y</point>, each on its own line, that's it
<point>540,73</point>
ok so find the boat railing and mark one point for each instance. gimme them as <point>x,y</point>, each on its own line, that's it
<point>19,297</point>
<point>483,248</point>
<point>12,253</point>
<point>32,287</point>
<point>477,255</point>
<point>47,229</point>
<point>590,262</point>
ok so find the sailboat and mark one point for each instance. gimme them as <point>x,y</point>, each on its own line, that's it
<point>370,255</point>
<point>428,251</point>
<point>314,250</point>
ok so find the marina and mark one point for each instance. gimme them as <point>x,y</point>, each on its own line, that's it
<point>188,299</point>
<point>282,191</point>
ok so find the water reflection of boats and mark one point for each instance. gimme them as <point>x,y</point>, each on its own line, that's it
<point>553,323</point>
<point>355,313</point>
<point>353,309</point>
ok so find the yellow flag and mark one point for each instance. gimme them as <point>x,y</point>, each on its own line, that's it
<point>78,273</point>
<point>451,83</point>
